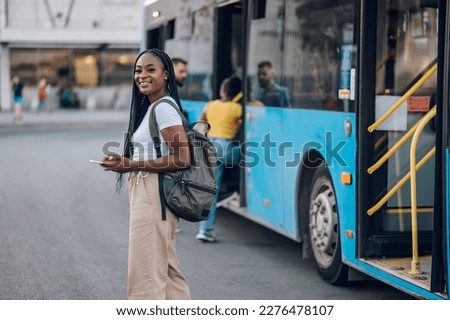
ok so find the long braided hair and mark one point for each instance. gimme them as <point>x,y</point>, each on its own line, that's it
<point>141,102</point>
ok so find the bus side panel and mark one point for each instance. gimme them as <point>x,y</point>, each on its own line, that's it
<point>264,166</point>
<point>194,109</point>
<point>272,189</point>
<point>324,131</point>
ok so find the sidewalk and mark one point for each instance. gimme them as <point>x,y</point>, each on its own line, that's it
<point>65,117</point>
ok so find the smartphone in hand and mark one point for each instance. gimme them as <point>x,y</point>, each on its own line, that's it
<point>96,161</point>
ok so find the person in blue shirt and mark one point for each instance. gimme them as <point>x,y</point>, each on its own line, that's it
<point>17,88</point>
<point>271,94</point>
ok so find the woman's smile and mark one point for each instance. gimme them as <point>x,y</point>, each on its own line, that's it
<point>145,83</point>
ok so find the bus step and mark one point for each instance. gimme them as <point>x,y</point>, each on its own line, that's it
<point>396,244</point>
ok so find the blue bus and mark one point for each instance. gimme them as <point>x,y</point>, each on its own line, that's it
<point>354,163</point>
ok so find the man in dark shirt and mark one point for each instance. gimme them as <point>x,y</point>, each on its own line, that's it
<point>271,93</point>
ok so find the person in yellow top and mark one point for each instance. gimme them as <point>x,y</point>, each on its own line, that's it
<point>225,117</point>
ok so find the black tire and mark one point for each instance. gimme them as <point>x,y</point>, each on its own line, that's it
<point>324,229</point>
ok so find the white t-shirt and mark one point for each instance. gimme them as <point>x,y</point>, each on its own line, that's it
<point>166,116</point>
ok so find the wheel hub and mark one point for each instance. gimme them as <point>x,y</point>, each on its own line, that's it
<point>323,221</point>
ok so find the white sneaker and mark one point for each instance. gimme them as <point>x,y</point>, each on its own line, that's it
<point>234,196</point>
<point>205,236</point>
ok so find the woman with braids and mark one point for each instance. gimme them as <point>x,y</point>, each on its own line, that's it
<point>153,267</point>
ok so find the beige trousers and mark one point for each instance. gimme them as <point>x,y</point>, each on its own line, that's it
<point>153,267</point>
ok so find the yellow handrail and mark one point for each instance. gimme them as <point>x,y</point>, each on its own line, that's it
<point>399,184</point>
<point>394,148</point>
<point>415,263</point>
<point>408,210</point>
<point>396,105</point>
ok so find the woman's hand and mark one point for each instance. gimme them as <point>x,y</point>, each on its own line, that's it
<point>117,163</point>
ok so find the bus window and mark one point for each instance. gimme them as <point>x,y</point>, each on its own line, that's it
<point>199,48</point>
<point>302,54</point>
<point>189,36</point>
<point>264,60</point>
<point>409,46</point>
<point>320,54</point>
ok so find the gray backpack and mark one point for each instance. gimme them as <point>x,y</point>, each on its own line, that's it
<point>189,193</point>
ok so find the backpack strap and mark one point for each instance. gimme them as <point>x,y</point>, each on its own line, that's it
<point>154,133</point>
<point>237,97</point>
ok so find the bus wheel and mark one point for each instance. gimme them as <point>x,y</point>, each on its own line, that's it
<point>324,229</point>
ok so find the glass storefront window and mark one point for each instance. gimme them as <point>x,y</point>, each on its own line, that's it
<point>118,67</point>
<point>73,67</point>
<point>86,71</point>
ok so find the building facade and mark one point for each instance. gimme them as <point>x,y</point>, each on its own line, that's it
<point>86,47</point>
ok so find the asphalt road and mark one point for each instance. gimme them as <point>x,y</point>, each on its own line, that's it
<point>63,231</point>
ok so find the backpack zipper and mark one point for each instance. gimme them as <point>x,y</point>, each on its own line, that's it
<point>197,186</point>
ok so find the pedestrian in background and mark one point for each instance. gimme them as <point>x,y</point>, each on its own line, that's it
<point>42,95</point>
<point>69,98</point>
<point>225,117</point>
<point>153,266</point>
<point>17,88</point>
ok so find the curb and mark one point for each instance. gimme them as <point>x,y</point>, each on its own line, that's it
<point>65,119</point>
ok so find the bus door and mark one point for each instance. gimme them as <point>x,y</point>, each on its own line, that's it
<point>228,45</point>
<point>228,61</point>
<point>441,235</point>
<point>264,115</point>
<point>398,132</point>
